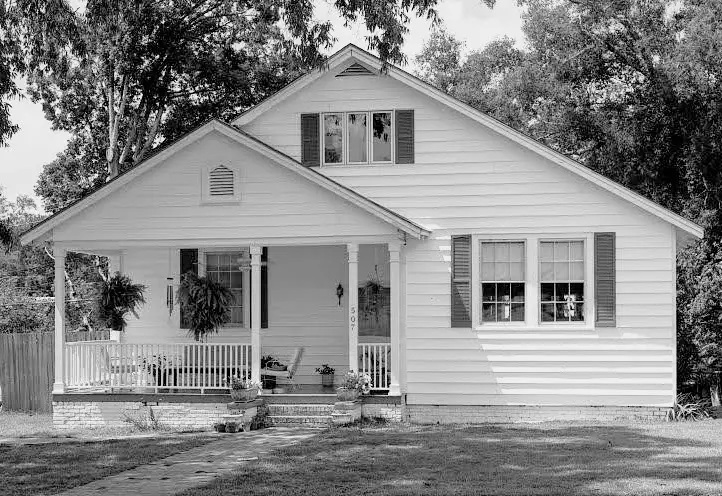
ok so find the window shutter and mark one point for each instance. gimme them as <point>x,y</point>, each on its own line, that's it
<point>404,136</point>
<point>605,279</point>
<point>264,288</point>
<point>461,281</point>
<point>310,140</point>
<point>188,263</point>
<point>220,181</point>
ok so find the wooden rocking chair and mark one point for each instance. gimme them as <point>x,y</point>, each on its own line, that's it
<point>290,370</point>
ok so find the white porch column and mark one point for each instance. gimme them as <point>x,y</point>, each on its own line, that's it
<point>395,303</point>
<point>256,313</point>
<point>352,251</point>
<point>59,384</point>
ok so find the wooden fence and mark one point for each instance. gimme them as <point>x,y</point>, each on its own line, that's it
<point>26,371</point>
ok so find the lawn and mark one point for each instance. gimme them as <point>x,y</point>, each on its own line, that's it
<point>31,465</point>
<point>549,458</point>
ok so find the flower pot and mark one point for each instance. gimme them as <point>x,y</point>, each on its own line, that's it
<point>232,427</point>
<point>244,394</point>
<point>269,381</point>
<point>344,394</point>
<point>327,380</point>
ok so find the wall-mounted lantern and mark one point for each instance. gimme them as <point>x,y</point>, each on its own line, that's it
<point>339,293</point>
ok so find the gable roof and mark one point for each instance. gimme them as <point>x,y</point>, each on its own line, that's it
<point>352,54</point>
<point>400,222</point>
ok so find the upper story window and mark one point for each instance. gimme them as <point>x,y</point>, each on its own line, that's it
<point>357,137</point>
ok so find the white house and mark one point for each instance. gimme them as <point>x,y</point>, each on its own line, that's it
<point>515,281</point>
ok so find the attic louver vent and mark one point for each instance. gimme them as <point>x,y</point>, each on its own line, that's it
<point>355,70</point>
<point>221,181</point>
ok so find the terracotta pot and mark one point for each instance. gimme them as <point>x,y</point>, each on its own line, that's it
<point>346,394</point>
<point>327,380</point>
<point>244,394</point>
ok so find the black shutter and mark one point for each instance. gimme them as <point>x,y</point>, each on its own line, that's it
<point>264,288</point>
<point>404,136</point>
<point>461,281</point>
<point>605,279</point>
<point>188,263</point>
<point>310,140</point>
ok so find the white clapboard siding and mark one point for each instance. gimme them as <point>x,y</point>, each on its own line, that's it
<point>166,203</point>
<point>467,179</point>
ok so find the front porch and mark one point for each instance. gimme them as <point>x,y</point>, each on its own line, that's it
<point>155,356</point>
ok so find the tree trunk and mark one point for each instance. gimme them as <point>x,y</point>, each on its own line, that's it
<point>714,394</point>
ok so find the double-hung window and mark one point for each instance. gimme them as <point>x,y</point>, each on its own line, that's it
<point>357,137</point>
<point>561,276</point>
<point>502,281</point>
<point>227,269</point>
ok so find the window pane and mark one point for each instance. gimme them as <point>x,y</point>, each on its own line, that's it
<point>517,312</point>
<point>577,250</point>
<point>562,312</point>
<point>224,278</point>
<point>488,292</point>
<point>517,292</point>
<point>547,292</point>
<point>547,271</point>
<point>382,137</point>
<point>516,252</point>
<point>503,312</point>
<point>333,138</point>
<point>561,271</point>
<point>516,271</point>
<point>578,312</point>
<point>501,252</point>
<point>488,312</point>
<point>357,135</point>
<point>546,251</point>
<point>501,271</point>
<point>212,262</point>
<point>562,291</point>
<point>577,271</point>
<point>487,271</point>
<point>236,279</point>
<point>561,251</point>
<point>236,315</point>
<point>503,292</point>
<point>487,252</point>
<point>547,312</point>
<point>577,290</point>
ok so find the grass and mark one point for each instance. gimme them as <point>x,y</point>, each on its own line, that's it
<point>536,459</point>
<point>36,460</point>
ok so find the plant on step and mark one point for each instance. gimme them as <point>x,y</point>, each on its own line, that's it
<point>326,372</point>
<point>243,389</point>
<point>205,303</point>
<point>272,363</point>
<point>117,298</point>
<point>355,381</point>
<point>688,407</point>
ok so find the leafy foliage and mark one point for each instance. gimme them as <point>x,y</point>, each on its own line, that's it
<point>22,313</point>
<point>687,408</point>
<point>118,297</point>
<point>207,304</point>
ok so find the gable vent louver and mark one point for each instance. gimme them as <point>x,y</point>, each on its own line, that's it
<point>355,70</point>
<point>221,181</point>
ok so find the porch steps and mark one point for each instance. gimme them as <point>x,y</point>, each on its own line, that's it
<point>308,415</point>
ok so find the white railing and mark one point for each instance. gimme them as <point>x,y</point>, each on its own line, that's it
<point>107,365</point>
<point>375,360</point>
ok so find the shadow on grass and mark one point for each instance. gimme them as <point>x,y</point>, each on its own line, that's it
<point>491,459</point>
<point>41,469</point>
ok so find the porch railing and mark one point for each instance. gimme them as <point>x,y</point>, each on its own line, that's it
<point>108,365</point>
<point>375,360</point>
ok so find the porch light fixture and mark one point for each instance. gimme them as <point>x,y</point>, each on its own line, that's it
<point>339,293</point>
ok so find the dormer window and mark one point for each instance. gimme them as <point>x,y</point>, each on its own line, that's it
<point>221,184</point>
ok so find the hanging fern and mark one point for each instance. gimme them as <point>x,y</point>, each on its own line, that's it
<point>119,297</point>
<point>205,304</point>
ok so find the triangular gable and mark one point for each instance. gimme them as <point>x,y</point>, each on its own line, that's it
<point>43,229</point>
<point>351,54</point>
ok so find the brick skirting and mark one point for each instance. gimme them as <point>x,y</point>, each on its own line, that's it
<point>471,414</point>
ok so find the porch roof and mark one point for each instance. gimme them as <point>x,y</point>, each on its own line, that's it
<point>43,230</point>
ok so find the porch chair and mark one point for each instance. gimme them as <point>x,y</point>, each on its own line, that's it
<point>290,371</point>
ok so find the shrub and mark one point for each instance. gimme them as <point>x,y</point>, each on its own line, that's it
<point>688,408</point>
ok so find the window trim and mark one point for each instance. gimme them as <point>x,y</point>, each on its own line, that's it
<point>532,288</point>
<point>478,261</point>
<point>345,138</point>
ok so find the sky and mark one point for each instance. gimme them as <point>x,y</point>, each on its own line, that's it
<point>470,21</point>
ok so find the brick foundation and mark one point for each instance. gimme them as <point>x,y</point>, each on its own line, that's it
<point>191,416</point>
<point>463,414</point>
<point>387,411</point>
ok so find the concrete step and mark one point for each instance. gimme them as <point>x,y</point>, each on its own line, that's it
<point>300,409</point>
<point>304,420</point>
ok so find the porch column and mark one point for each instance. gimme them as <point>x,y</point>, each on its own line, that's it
<point>352,251</point>
<point>256,313</point>
<point>59,384</point>
<point>395,303</point>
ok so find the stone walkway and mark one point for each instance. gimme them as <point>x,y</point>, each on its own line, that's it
<point>195,467</point>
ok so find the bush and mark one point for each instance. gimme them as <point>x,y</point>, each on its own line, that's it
<point>23,313</point>
<point>688,408</point>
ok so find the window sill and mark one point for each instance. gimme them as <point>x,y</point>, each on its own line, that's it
<point>349,166</point>
<point>523,328</point>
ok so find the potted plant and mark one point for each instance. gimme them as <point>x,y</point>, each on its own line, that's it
<point>232,427</point>
<point>117,298</point>
<point>353,384</point>
<point>243,389</point>
<point>205,303</point>
<point>326,374</point>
